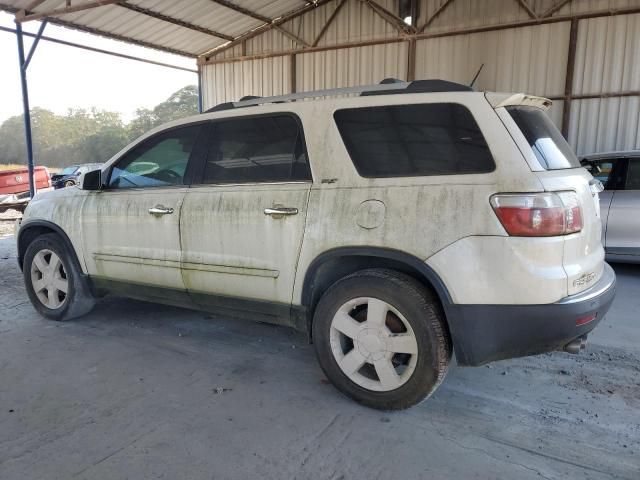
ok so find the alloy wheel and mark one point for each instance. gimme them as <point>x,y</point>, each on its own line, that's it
<point>373,344</point>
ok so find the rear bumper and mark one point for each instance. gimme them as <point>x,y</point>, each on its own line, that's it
<point>485,333</point>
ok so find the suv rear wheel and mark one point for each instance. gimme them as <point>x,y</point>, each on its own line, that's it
<point>380,338</point>
<point>55,284</point>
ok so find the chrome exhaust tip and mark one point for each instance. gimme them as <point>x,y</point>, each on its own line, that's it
<point>576,345</point>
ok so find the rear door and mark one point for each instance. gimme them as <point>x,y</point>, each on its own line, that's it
<point>131,228</point>
<point>242,226</point>
<point>623,225</point>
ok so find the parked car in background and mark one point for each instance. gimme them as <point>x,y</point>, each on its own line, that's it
<point>14,186</point>
<point>70,176</point>
<point>619,172</point>
<point>395,228</point>
<point>16,181</point>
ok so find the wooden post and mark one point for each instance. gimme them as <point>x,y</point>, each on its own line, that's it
<point>293,78</point>
<point>411,60</point>
<point>568,83</point>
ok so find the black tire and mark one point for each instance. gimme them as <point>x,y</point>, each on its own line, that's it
<point>69,183</point>
<point>422,311</point>
<point>79,299</point>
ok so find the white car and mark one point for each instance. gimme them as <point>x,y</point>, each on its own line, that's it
<point>396,227</point>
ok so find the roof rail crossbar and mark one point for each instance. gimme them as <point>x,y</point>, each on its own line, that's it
<point>389,87</point>
<point>330,92</point>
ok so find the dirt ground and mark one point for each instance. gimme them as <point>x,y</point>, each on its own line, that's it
<point>136,390</point>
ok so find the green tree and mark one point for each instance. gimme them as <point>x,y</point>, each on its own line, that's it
<point>87,136</point>
<point>180,104</point>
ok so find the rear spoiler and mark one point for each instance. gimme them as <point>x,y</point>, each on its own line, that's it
<point>498,100</point>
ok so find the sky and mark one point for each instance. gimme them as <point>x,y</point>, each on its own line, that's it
<point>62,77</point>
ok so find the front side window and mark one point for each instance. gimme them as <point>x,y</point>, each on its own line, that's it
<point>547,143</point>
<point>257,149</point>
<point>414,140</point>
<point>160,161</point>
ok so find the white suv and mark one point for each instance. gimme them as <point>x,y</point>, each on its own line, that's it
<point>396,227</point>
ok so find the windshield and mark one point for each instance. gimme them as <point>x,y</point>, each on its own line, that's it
<point>69,170</point>
<point>549,146</point>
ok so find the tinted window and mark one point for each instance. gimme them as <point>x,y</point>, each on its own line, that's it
<point>257,149</point>
<point>606,167</point>
<point>414,140</point>
<point>633,174</point>
<point>549,146</point>
<point>157,162</point>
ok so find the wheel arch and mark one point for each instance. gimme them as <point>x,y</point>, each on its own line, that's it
<point>32,229</point>
<point>330,266</point>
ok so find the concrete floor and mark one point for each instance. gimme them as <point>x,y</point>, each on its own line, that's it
<point>136,390</point>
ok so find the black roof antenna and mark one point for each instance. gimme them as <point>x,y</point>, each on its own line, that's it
<point>476,77</point>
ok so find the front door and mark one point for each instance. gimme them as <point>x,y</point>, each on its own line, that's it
<point>623,224</point>
<point>131,228</point>
<point>242,227</point>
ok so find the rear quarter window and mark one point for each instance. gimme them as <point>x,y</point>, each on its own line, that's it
<point>414,140</point>
<point>547,143</point>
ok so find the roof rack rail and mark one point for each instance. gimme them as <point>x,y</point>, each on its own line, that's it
<point>388,86</point>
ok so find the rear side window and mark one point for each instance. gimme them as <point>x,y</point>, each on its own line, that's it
<point>414,140</point>
<point>549,146</point>
<point>257,149</point>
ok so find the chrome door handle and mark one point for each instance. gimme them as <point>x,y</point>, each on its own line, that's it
<point>160,210</point>
<point>278,212</point>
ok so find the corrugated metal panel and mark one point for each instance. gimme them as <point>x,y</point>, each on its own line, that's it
<point>351,66</point>
<point>119,21</point>
<point>355,22</point>
<point>232,81</point>
<point>127,24</point>
<point>584,6</point>
<point>530,59</point>
<point>607,60</point>
<point>472,13</point>
<point>601,125</point>
<point>608,55</point>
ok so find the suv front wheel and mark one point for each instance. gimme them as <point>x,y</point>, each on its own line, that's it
<point>380,338</point>
<point>55,284</point>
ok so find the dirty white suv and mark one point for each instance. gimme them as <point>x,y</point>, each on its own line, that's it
<point>396,224</point>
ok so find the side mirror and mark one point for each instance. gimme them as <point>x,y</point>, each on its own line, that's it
<point>92,180</point>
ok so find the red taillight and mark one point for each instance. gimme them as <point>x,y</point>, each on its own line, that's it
<point>585,320</point>
<point>538,214</point>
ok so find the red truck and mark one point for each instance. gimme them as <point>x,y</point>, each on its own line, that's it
<point>14,186</point>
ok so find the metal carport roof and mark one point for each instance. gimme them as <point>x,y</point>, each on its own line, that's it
<point>184,27</point>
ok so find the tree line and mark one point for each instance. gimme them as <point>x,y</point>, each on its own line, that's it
<point>87,136</point>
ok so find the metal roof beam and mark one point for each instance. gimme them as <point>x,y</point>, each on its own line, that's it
<point>98,50</point>
<point>330,20</point>
<point>525,5</point>
<point>430,20</point>
<point>293,37</point>
<point>390,17</point>
<point>174,21</point>
<point>553,9</point>
<point>262,18</point>
<point>266,27</point>
<point>25,16</point>
<point>242,10</point>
